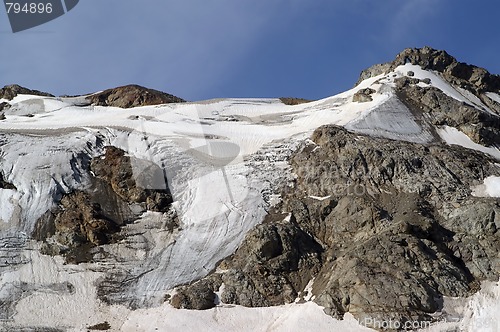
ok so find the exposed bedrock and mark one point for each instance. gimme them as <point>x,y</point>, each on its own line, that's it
<point>383,229</point>
<point>119,194</point>
<point>129,96</point>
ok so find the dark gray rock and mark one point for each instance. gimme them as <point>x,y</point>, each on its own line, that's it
<point>396,246</point>
<point>457,73</point>
<point>4,106</point>
<point>481,126</point>
<point>272,266</point>
<point>6,185</point>
<point>199,296</point>
<point>398,231</point>
<point>373,71</point>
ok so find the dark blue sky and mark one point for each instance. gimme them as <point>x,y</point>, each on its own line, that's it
<point>240,48</point>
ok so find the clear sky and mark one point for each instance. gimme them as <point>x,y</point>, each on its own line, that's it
<point>200,49</point>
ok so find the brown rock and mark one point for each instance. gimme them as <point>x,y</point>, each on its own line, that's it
<point>363,95</point>
<point>10,91</point>
<point>132,96</point>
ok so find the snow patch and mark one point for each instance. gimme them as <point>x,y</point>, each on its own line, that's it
<point>493,96</point>
<point>489,188</point>
<point>292,317</point>
<point>320,198</point>
<point>10,204</point>
<point>479,313</point>
<point>453,136</point>
<point>436,81</point>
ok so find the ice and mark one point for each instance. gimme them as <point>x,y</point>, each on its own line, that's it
<point>10,203</point>
<point>454,136</point>
<point>220,158</point>
<point>392,119</point>
<point>494,96</point>
<point>42,168</point>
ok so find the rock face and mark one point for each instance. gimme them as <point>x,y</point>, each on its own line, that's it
<point>116,169</point>
<point>4,106</point>
<point>396,223</point>
<point>382,229</point>
<point>459,74</point>
<point>481,126</point>
<point>85,219</point>
<point>395,231</point>
<point>132,96</point>
<point>10,91</point>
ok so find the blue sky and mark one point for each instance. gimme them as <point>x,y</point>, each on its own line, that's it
<point>239,48</point>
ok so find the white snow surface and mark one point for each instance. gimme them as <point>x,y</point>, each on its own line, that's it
<point>479,313</point>
<point>489,188</point>
<point>454,136</point>
<point>493,96</point>
<point>69,313</point>
<point>293,317</point>
<point>10,203</point>
<point>206,149</point>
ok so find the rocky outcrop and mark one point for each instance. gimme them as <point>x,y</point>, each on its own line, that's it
<point>382,229</point>
<point>146,185</point>
<point>4,106</point>
<point>478,118</point>
<point>363,95</point>
<point>10,91</point>
<point>82,220</point>
<point>6,185</point>
<point>93,217</point>
<point>394,219</point>
<point>373,71</point>
<point>132,96</point>
<point>440,109</point>
<point>457,73</point>
<point>294,101</point>
<point>271,267</point>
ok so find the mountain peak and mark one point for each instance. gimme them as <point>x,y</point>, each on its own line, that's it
<point>132,96</point>
<point>476,79</point>
<point>10,91</point>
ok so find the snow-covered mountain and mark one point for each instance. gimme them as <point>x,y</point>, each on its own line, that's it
<point>377,204</point>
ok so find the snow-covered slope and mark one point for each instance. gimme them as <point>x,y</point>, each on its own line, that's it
<point>221,158</point>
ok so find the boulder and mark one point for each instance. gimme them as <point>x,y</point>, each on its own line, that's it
<point>363,95</point>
